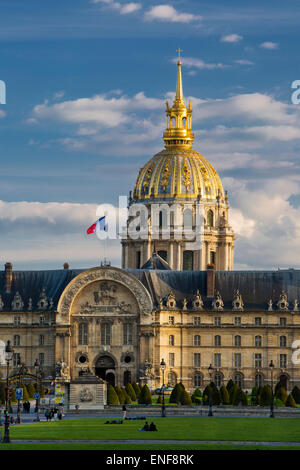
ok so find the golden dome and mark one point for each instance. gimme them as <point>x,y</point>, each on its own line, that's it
<point>178,171</point>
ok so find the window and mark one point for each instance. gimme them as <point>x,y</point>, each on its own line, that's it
<point>237,360</point>
<point>16,359</point>
<point>237,321</point>
<point>217,340</point>
<point>197,380</point>
<point>197,320</point>
<point>105,334</point>
<point>258,341</point>
<point>283,360</point>
<point>138,260</point>
<point>283,341</point>
<point>257,360</point>
<point>282,321</point>
<point>197,340</point>
<point>172,379</point>
<point>42,320</point>
<point>258,321</point>
<point>218,379</point>
<point>187,220</point>
<point>238,380</point>
<point>17,320</point>
<point>197,359</point>
<point>212,257</point>
<point>217,360</point>
<point>171,340</point>
<point>83,333</point>
<point>171,359</point>
<point>16,340</point>
<point>210,218</point>
<point>258,380</point>
<point>127,333</point>
<point>163,254</point>
<point>187,264</point>
<point>217,321</point>
<point>171,320</point>
<point>42,359</point>
<point>237,341</point>
<point>42,340</point>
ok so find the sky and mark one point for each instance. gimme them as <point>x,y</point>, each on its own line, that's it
<point>86,85</point>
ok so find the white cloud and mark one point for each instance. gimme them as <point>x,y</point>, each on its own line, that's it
<point>244,62</point>
<point>58,95</point>
<point>124,9</point>
<point>269,45</point>
<point>231,38</point>
<point>2,114</point>
<point>169,13</point>
<point>198,63</point>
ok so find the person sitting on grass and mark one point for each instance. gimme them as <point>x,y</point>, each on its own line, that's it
<point>152,427</point>
<point>146,427</point>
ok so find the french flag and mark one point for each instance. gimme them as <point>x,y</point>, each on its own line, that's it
<point>100,223</point>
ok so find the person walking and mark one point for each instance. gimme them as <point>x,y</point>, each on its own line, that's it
<point>124,411</point>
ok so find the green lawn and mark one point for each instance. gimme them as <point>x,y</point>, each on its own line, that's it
<point>239,429</point>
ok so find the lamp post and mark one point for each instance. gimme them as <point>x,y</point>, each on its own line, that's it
<point>8,357</point>
<point>37,403</point>
<point>163,406</point>
<point>210,412</point>
<point>20,369</point>
<point>271,365</point>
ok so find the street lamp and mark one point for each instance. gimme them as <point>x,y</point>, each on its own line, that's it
<point>163,406</point>
<point>8,357</point>
<point>20,368</point>
<point>210,412</point>
<point>271,365</point>
<point>37,403</point>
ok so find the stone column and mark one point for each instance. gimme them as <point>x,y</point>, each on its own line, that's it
<point>171,255</point>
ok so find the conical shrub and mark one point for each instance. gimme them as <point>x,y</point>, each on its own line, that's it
<point>112,397</point>
<point>136,389</point>
<point>282,394</point>
<point>224,395</point>
<point>145,397</point>
<point>185,399</point>
<point>176,393</point>
<point>230,384</point>
<point>296,394</point>
<point>130,391</point>
<point>290,401</point>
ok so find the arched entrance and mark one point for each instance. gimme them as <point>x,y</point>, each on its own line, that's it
<point>104,368</point>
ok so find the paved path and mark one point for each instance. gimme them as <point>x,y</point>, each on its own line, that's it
<point>132,441</point>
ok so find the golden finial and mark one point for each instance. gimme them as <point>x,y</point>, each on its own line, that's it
<point>179,50</point>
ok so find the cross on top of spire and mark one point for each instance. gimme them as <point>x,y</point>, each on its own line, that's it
<point>179,50</point>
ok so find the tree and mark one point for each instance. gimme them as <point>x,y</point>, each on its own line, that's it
<point>31,390</point>
<point>136,389</point>
<point>13,395</point>
<point>130,391</point>
<point>127,399</point>
<point>265,396</point>
<point>176,393</point>
<point>230,384</point>
<point>196,397</point>
<point>240,398</point>
<point>224,395</point>
<point>25,393</point>
<point>2,393</point>
<point>197,392</point>
<point>216,396</point>
<point>121,395</point>
<point>112,397</point>
<point>185,399</point>
<point>206,393</point>
<point>232,392</point>
<point>277,387</point>
<point>282,394</point>
<point>296,394</point>
<point>290,401</point>
<point>145,397</point>
<point>254,391</point>
<point>41,390</point>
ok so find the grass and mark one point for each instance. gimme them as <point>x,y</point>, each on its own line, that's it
<point>231,429</point>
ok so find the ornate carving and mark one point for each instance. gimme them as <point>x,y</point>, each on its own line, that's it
<point>43,302</point>
<point>171,300</point>
<point>218,303</point>
<point>282,303</point>
<point>1,303</point>
<point>186,173</point>
<point>237,303</point>
<point>270,305</point>
<point>17,303</point>
<point>198,302</point>
<point>29,304</point>
<point>165,176</point>
<point>184,304</point>
<point>296,306</point>
<point>86,395</point>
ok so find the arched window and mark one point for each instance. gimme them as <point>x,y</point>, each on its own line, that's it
<point>83,333</point>
<point>184,122</point>
<point>283,341</point>
<point>163,219</point>
<point>210,218</point>
<point>172,379</point>
<point>188,220</point>
<point>197,380</point>
<point>218,379</point>
<point>197,340</point>
<point>171,340</point>
<point>188,262</point>
<point>238,380</point>
<point>258,341</point>
<point>16,340</point>
<point>218,340</point>
<point>237,340</point>
<point>163,254</point>
<point>173,122</point>
<point>105,334</point>
<point>258,380</point>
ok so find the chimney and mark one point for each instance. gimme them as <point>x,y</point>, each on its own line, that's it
<point>66,266</point>
<point>210,280</point>
<point>8,277</point>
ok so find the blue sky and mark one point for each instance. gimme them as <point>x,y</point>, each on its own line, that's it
<point>86,85</point>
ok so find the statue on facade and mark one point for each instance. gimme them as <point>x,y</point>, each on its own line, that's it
<point>270,306</point>
<point>237,302</point>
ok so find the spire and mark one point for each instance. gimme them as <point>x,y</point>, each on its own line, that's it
<point>179,118</point>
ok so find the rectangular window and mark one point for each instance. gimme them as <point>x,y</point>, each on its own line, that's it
<point>258,321</point>
<point>17,320</point>
<point>83,333</point>
<point>212,257</point>
<point>42,359</point>
<point>237,321</point>
<point>258,361</point>
<point>105,334</point>
<point>197,320</point>
<point>238,360</point>
<point>171,359</point>
<point>138,260</point>
<point>283,361</point>
<point>171,320</point>
<point>16,359</point>
<point>42,340</point>
<point>127,333</point>
<point>217,321</point>
<point>197,359</point>
<point>282,321</point>
<point>217,360</point>
<point>42,320</point>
